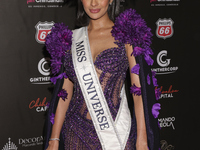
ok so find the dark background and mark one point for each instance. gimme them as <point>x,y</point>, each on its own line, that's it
<point>20,54</point>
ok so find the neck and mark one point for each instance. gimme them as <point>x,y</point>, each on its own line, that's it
<point>103,22</point>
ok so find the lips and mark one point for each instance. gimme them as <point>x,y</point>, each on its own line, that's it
<point>94,10</point>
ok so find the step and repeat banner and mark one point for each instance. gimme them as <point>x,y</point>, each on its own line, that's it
<point>175,45</point>
<point>25,72</point>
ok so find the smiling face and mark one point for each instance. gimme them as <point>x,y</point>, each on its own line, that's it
<point>96,9</point>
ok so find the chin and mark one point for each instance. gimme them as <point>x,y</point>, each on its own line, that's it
<point>96,16</point>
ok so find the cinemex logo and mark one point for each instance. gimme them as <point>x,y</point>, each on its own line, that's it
<point>10,145</point>
<point>42,29</point>
<point>164,28</point>
<point>33,141</point>
<point>44,69</point>
<point>167,122</point>
<point>164,62</point>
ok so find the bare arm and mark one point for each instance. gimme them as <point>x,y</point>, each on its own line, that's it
<point>141,143</point>
<point>60,114</point>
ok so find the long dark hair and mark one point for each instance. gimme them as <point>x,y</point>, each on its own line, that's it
<point>83,19</point>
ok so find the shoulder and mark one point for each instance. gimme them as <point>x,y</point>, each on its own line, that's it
<point>59,38</point>
<point>59,32</point>
<point>130,28</point>
<point>78,29</point>
<point>58,42</point>
<point>78,32</point>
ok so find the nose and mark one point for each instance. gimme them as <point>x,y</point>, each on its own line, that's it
<point>94,3</point>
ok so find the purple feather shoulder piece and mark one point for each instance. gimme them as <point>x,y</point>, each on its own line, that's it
<point>57,43</point>
<point>131,29</point>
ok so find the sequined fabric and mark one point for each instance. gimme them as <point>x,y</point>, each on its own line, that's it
<point>78,130</point>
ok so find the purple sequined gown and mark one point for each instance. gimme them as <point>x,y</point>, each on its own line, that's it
<point>78,131</point>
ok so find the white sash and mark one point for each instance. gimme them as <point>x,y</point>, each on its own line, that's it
<point>113,135</point>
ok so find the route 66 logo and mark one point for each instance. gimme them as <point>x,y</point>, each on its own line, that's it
<point>164,28</point>
<point>42,29</point>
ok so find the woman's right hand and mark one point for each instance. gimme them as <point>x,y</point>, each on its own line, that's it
<point>53,145</point>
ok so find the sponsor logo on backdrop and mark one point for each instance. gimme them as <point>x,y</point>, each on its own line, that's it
<point>33,141</point>
<point>165,2</point>
<point>40,105</point>
<point>164,63</point>
<point>10,145</point>
<point>167,93</point>
<point>167,122</point>
<point>42,29</point>
<point>165,146</point>
<point>44,3</point>
<point>43,69</point>
<point>164,28</point>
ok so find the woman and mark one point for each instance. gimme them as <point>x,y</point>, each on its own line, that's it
<point>92,111</point>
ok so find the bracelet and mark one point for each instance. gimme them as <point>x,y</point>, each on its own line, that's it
<point>54,139</point>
